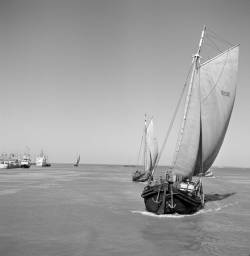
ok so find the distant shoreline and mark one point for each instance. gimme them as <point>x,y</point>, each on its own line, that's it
<point>160,166</point>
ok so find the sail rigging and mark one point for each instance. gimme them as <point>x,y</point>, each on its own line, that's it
<point>189,136</point>
<point>152,147</point>
<point>150,152</point>
<point>208,109</point>
<point>188,140</point>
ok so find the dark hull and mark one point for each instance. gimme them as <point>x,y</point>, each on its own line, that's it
<point>46,165</point>
<point>183,201</point>
<point>25,166</point>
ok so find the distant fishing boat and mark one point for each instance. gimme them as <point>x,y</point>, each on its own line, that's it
<point>25,162</point>
<point>150,153</point>
<point>4,164</point>
<point>42,160</point>
<point>9,162</point>
<point>208,107</point>
<point>77,161</point>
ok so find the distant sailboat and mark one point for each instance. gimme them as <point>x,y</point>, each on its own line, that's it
<point>150,153</point>
<point>208,108</point>
<point>77,161</point>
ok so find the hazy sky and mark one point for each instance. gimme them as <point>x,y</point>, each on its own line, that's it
<point>78,76</point>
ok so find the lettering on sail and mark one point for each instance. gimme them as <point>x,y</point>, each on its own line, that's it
<point>225,93</point>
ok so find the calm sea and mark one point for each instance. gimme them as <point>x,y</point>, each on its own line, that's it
<point>96,210</point>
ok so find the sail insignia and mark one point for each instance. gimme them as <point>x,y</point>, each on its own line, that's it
<point>224,93</point>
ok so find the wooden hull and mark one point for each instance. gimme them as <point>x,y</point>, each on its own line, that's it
<point>183,201</point>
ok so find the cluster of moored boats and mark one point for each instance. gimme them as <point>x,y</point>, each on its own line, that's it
<point>12,161</point>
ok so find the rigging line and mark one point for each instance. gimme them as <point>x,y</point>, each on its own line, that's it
<point>207,57</point>
<point>172,120</point>
<point>219,37</point>
<point>220,40</point>
<point>214,44</point>
<point>208,43</point>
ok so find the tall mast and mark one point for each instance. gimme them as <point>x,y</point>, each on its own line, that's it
<point>198,60</point>
<point>195,62</point>
<point>145,142</point>
<point>197,55</point>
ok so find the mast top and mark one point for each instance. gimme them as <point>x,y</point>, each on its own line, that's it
<point>197,55</point>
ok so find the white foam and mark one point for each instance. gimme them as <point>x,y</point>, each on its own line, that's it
<point>159,216</point>
<point>202,211</point>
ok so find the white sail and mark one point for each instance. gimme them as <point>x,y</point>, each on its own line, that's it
<point>207,113</point>
<point>218,80</point>
<point>152,147</point>
<point>189,136</point>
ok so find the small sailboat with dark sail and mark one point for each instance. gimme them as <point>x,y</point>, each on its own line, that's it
<point>207,111</point>
<point>150,152</point>
<point>77,161</point>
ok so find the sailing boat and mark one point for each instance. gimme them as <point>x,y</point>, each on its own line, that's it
<point>150,153</point>
<point>77,161</point>
<point>208,107</point>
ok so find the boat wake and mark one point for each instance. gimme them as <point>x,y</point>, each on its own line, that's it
<point>150,214</point>
<point>203,211</point>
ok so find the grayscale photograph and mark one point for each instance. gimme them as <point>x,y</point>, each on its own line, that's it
<point>124,128</point>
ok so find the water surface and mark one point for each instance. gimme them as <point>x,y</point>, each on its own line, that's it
<point>96,210</point>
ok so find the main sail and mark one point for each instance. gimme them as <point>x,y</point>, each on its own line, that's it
<point>152,147</point>
<point>189,135</point>
<point>207,113</point>
<point>218,80</point>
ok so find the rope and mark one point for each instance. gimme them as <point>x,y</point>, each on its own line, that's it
<point>219,38</point>
<point>172,120</point>
<point>214,44</point>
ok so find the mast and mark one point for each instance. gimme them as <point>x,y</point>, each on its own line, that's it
<point>198,60</point>
<point>145,143</point>
<point>195,62</point>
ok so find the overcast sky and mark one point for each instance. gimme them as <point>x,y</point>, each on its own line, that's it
<point>78,76</point>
